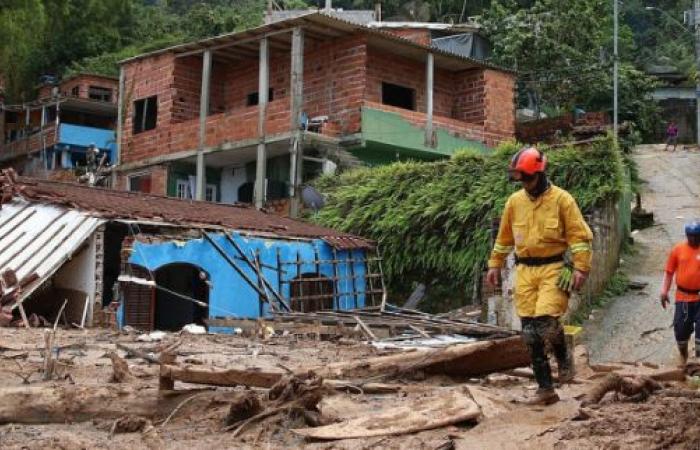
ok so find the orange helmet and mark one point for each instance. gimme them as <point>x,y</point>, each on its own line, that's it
<point>528,161</point>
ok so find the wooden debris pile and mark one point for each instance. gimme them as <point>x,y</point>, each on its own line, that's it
<point>392,323</point>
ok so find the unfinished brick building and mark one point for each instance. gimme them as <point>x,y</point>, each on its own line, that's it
<point>249,116</point>
<point>54,131</point>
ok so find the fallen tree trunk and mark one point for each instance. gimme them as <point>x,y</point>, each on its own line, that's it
<point>640,387</point>
<point>47,404</point>
<point>474,358</point>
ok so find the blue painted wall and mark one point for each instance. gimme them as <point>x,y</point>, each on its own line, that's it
<point>82,136</point>
<point>230,295</point>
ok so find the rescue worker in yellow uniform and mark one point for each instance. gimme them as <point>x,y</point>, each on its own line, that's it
<point>541,222</point>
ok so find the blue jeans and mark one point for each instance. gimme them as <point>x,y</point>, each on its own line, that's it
<point>686,319</point>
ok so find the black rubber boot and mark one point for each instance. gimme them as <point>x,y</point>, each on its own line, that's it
<point>532,335</point>
<point>554,334</point>
<point>535,344</point>
<point>683,351</point>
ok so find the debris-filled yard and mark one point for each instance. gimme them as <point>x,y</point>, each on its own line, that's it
<point>296,387</point>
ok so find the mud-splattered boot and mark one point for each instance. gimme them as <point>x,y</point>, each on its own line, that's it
<point>567,370</point>
<point>542,397</point>
<point>554,333</point>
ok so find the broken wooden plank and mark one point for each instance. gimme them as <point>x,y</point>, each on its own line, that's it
<point>419,331</point>
<point>23,314</point>
<point>220,377</point>
<point>365,329</point>
<point>424,414</point>
<point>138,353</point>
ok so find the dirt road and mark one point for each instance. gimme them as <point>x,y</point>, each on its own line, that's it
<point>633,327</point>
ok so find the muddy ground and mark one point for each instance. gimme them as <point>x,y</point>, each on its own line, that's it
<point>199,423</point>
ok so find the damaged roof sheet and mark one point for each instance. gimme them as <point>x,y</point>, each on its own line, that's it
<point>113,204</point>
<point>36,240</point>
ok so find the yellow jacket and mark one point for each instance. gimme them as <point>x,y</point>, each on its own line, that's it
<point>545,226</point>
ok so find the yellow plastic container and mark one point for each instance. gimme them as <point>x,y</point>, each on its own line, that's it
<point>573,335</point>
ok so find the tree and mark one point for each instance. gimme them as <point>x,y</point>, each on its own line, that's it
<point>562,51</point>
<point>21,29</point>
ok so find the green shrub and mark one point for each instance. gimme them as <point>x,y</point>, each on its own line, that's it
<point>433,221</point>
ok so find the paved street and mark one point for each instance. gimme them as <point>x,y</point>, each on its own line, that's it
<point>634,327</point>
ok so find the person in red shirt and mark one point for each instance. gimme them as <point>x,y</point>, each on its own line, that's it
<point>684,263</point>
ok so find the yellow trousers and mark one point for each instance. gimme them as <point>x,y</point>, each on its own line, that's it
<point>536,291</point>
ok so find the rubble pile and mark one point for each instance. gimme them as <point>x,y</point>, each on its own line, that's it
<point>290,387</point>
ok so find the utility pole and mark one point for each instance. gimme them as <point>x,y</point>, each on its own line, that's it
<point>616,67</point>
<point>696,13</point>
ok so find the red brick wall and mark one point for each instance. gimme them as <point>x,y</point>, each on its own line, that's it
<point>334,84</point>
<point>420,36</point>
<point>339,76</point>
<point>83,82</point>
<point>159,179</point>
<point>21,147</point>
<point>545,130</point>
<point>469,97</point>
<point>499,106</point>
<point>144,78</point>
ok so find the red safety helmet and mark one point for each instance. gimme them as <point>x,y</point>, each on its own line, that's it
<point>528,161</point>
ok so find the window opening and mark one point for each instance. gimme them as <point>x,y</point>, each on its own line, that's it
<point>100,93</point>
<point>399,96</point>
<point>140,183</point>
<point>254,97</point>
<point>145,114</point>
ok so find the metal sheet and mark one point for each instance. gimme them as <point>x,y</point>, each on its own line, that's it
<point>40,238</point>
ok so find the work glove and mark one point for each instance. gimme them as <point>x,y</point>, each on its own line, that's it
<point>664,300</point>
<point>566,279</point>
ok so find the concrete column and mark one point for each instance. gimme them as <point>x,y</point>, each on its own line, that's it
<point>429,75</point>
<point>263,89</point>
<point>297,100</point>
<point>27,119</point>
<point>203,112</point>
<point>120,118</point>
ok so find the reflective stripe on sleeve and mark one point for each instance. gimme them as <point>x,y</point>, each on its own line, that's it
<point>498,248</point>
<point>580,247</point>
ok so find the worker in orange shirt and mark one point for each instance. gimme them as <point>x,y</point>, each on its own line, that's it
<point>684,263</point>
<point>541,223</point>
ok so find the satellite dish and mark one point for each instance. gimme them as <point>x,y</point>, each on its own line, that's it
<point>312,198</point>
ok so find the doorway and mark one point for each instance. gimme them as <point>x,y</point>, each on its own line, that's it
<point>178,284</point>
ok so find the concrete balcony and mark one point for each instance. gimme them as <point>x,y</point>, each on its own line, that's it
<point>388,131</point>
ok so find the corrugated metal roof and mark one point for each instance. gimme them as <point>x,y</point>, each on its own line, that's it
<point>109,204</point>
<point>37,239</point>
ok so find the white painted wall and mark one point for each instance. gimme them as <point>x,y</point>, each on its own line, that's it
<point>79,274</point>
<point>231,179</point>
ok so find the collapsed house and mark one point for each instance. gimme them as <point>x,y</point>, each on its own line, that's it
<point>160,263</point>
